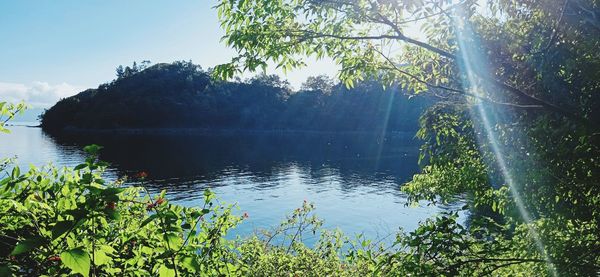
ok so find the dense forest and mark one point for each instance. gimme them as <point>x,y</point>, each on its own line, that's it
<point>182,94</point>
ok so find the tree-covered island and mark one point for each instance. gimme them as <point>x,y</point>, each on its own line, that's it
<point>183,95</point>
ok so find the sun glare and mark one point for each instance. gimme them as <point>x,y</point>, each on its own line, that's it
<point>486,114</point>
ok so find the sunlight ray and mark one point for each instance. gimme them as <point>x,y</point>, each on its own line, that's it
<point>473,66</point>
<point>389,100</point>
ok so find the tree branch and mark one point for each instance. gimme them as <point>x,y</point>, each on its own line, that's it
<point>488,79</point>
<point>323,35</point>
<point>430,85</point>
<point>508,261</point>
<point>406,39</point>
<point>554,30</point>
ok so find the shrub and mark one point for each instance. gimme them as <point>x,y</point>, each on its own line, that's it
<point>60,221</point>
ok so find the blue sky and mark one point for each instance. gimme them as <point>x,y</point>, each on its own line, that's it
<point>52,49</point>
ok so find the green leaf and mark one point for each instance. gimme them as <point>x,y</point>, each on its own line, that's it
<point>77,260</point>
<point>15,172</point>
<point>164,271</point>
<point>148,220</point>
<point>92,149</point>
<point>190,264</point>
<point>61,227</point>
<point>147,250</point>
<point>173,239</point>
<point>5,271</point>
<point>112,191</point>
<point>112,214</point>
<point>100,258</point>
<point>26,246</point>
<point>107,249</point>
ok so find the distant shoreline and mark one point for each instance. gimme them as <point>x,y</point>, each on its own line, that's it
<point>409,135</point>
<point>25,124</point>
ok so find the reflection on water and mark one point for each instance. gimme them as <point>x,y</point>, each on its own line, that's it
<point>353,180</point>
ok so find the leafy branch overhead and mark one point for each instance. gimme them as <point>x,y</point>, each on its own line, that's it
<point>7,112</point>
<point>379,39</point>
<point>515,130</point>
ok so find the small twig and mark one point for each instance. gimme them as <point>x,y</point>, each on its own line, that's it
<point>554,30</point>
<point>163,224</point>
<point>430,85</point>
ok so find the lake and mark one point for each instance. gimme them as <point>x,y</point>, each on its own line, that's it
<point>353,180</point>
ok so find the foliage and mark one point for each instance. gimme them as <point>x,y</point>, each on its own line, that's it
<point>183,95</point>
<point>555,185</point>
<point>515,131</point>
<point>71,221</point>
<point>57,221</point>
<point>127,71</point>
<point>282,252</point>
<point>7,112</point>
<point>371,39</point>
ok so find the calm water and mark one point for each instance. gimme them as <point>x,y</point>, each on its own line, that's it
<point>354,181</point>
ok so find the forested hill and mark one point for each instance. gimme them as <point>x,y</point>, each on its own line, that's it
<point>182,95</point>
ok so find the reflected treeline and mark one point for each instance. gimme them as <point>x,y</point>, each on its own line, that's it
<point>179,159</point>
<point>267,176</point>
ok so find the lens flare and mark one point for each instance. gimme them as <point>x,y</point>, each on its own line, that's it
<point>472,65</point>
<point>380,137</point>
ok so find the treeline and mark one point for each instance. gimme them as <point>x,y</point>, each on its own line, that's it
<point>182,94</point>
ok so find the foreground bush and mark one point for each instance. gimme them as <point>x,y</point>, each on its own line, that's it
<point>72,221</point>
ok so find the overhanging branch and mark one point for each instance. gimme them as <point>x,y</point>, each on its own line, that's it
<point>458,91</point>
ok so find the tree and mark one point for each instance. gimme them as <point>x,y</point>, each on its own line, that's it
<point>144,64</point>
<point>127,71</point>
<point>180,94</point>
<point>135,68</point>
<point>355,34</point>
<point>321,83</point>
<point>271,80</point>
<point>120,72</point>
<point>517,127</point>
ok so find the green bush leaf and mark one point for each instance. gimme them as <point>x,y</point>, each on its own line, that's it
<point>148,220</point>
<point>164,271</point>
<point>112,214</point>
<point>5,271</point>
<point>61,227</point>
<point>26,246</point>
<point>100,258</point>
<point>173,239</point>
<point>112,191</point>
<point>190,264</point>
<point>92,149</point>
<point>77,260</point>
<point>15,172</point>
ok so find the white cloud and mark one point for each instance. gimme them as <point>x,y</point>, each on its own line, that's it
<point>37,94</point>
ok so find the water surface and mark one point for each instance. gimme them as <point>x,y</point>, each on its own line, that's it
<point>353,180</point>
